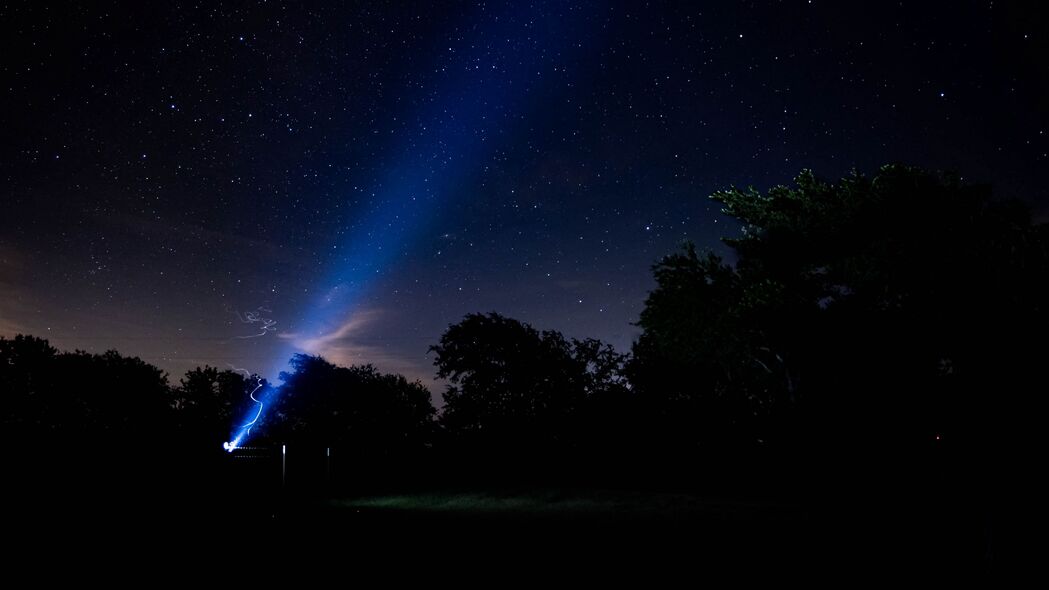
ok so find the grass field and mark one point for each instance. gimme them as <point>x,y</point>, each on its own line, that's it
<point>572,503</point>
<point>541,530</point>
<point>544,533</point>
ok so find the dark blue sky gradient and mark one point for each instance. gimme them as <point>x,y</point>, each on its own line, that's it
<point>373,172</point>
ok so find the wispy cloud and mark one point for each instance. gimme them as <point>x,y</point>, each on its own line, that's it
<point>360,340</point>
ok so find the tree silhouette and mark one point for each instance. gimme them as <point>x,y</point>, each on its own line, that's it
<point>77,397</point>
<point>698,359</point>
<point>888,311</point>
<point>357,408</point>
<point>208,400</point>
<point>513,387</point>
<point>124,398</point>
<point>26,380</point>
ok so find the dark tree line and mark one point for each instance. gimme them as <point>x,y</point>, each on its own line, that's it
<point>514,390</point>
<point>77,398</point>
<point>885,315</point>
<point>884,312</point>
<point>51,396</point>
<point>357,409</point>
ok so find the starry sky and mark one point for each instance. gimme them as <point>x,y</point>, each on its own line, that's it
<point>230,183</point>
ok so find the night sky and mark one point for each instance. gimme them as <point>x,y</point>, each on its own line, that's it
<point>231,183</point>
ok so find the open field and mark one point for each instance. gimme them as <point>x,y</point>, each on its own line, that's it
<point>231,511</point>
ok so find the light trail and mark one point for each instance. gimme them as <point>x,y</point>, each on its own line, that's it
<point>255,317</point>
<point>245,429</point>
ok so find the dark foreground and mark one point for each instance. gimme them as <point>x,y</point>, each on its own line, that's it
<point>246,520</point>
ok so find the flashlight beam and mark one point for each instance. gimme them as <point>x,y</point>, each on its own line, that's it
<point>246,427</point>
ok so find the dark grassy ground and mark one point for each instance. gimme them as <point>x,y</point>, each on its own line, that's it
<point>549,531</point>
<point>536,534</point>
<point>542,534</point>
<point>228,517</point>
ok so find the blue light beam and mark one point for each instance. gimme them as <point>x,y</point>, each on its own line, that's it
<point>482,89</point>
<point>245,429</point>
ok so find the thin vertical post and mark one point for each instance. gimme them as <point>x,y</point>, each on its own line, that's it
<point>283,464</point>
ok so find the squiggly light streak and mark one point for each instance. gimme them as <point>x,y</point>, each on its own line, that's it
<point>256,317</point>
<point>266,325</point>
<point>245,429</point>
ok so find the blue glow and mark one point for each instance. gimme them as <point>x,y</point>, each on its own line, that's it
<point>244,430</point>
<point>253,416</point>
<point>483,87</point>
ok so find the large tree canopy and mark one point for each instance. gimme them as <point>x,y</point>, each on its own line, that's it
<point>208,400</point>
<point>889,308</point>
<point>69,397</point>
<point>514,386</point>
<point>356,408</point>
